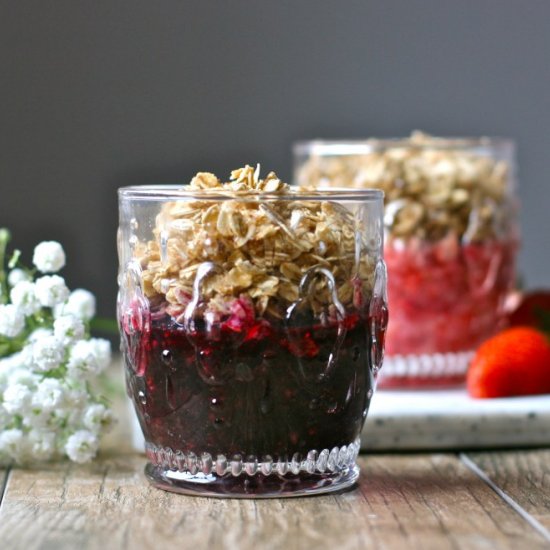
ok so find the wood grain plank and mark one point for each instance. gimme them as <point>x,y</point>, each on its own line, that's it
<point>523,475</point>
<point>402,501</point>
<point>436,503</point>
<point>4,472</point>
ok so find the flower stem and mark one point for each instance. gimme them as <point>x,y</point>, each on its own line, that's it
<point>4,239</point>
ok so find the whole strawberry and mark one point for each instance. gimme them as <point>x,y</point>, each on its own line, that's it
<point>514,362</point>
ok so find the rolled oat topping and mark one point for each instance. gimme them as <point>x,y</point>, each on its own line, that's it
<point>237,240</point>
<point>433,187</point>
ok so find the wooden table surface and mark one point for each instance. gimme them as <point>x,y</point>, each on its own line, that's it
<point>486,500</point>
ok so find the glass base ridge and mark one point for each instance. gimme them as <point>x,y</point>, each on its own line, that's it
<point>247,477</point>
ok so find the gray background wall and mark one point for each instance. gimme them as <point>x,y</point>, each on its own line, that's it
<point>102,93</point>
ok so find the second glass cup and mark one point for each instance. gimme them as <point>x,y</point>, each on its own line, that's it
<point>450,245</point>
<point>252,319</point>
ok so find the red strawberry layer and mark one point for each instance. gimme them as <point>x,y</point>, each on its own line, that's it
<point>446,297</point>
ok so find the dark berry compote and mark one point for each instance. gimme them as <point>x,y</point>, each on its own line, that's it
<point>243,385</point>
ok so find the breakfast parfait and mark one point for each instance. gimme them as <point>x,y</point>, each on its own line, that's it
<point>450,242</point>
<point>252,318</point>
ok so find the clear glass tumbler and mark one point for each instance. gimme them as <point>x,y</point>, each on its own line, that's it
<point>252,323</point>
<point>451,237</point>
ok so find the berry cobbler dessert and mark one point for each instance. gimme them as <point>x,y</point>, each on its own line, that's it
<point>450,242</point>
<point>252,318</point>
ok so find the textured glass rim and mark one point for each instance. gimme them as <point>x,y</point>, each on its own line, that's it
<point>364,146</point>
<point>178,192</point>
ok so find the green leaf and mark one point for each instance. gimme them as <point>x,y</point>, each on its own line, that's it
<point>543,318</point>
<point>4,349</point>
<point>104,324</point>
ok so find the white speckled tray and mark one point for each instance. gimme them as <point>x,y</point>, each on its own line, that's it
<point>449,419</point>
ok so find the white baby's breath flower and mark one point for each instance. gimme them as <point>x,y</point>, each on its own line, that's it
<point>49,395</point>
<point>40,419</point>
<point>17,398</point>
<point>51,290</point>
<point>81,303</point>
<point>9,363</point>
<point>68,328</point>
<point>17,362</point>
<point>23,375</point>
<point>12,320</point>
<point>51,406</point>
<point>12,444</point>
<point>97,417</point>
<point>5,418</point>
<point>48,257</point>
<point>88,358</point>
<point>41,444</point>
<point>39,333</point>
<point>45,410</point>
<point>76,402</point>
<point>78,397</point>
<point>17,276</point>
<point>82,360</point>
<point>102,352</point>
<point>47,353</point>
<point>82,446</point>
<point>23,296</point>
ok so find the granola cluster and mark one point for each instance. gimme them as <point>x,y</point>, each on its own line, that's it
<point>433,187</point>
<point>258,240</point>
